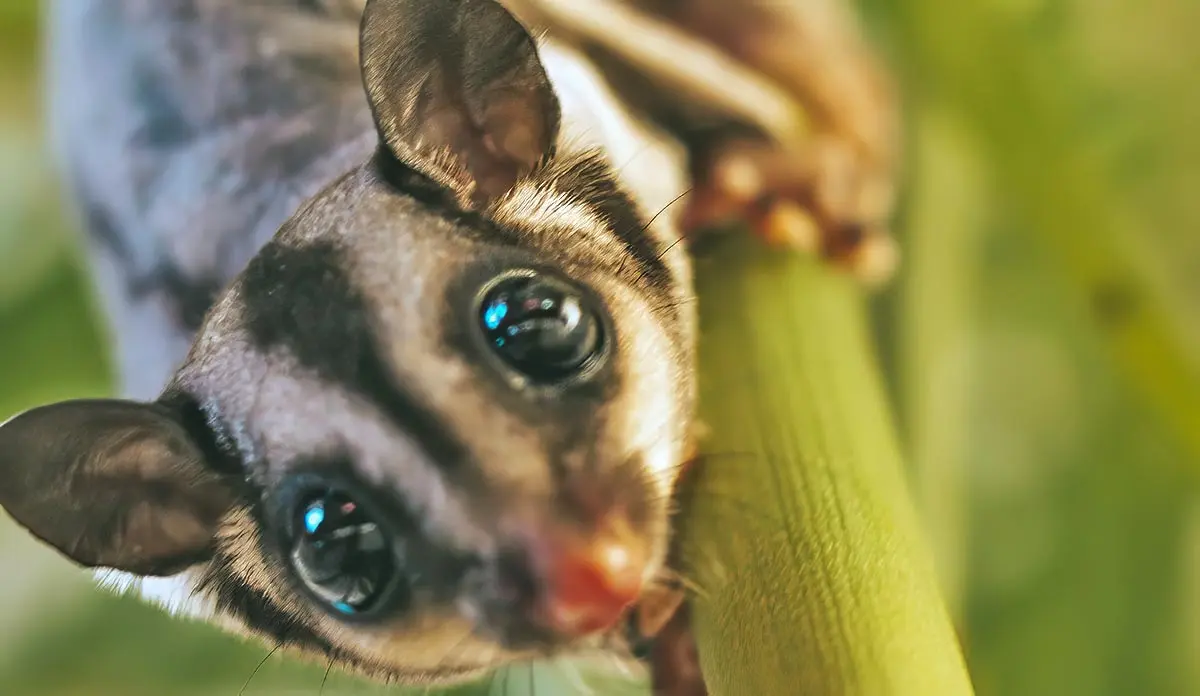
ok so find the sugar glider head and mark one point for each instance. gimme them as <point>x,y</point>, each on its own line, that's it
<point>435,423</point>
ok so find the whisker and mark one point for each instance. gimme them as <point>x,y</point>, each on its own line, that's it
<point>644,228</point>
<point>574,675</point>
<point>678,470</point>
<point>674,304</point>
<point>689,585</point>
<point>640,151</point>
<point>622,666</point>
<point>707,458</point>
<point>454,650</point>
<point>624,651</point>
<point>325,679</point>
<point>663,209</point>
<point>727,503</point>
<point>256,669</point>
<point>670,247</point>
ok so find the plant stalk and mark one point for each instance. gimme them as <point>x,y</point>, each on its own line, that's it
<point>812,572</point>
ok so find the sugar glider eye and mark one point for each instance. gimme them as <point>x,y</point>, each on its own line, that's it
<point>345,557</point>
<point>544,327</point>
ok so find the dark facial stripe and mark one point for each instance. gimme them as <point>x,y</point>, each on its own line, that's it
<point>589,179</point>
<point>165,124</point>
<point>234,597</point>
<point>594,182</point>
<point>100,225</point>
<point>301,299</point>
<point>191,298</point>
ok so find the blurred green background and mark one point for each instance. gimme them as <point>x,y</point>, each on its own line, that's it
<point>1042,345</point>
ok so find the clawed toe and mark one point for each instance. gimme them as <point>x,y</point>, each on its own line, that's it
<point>818,201</point>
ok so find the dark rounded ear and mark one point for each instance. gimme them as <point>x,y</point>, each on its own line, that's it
<point>113,484</point>
<point>458,93</point>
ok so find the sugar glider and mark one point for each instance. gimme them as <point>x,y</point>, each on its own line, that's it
<point>404,336</point>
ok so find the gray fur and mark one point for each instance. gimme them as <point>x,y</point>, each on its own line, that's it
<point>195,128</point>
<point>279,287</point>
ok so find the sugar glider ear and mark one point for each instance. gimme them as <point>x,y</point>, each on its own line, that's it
<point>458,93</point>
<point>113,484</point>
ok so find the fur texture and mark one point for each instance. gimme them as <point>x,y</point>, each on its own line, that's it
<point>289,266</point>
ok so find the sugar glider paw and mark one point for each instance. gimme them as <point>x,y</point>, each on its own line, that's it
<point>813,201</point>
<point>832,195</point>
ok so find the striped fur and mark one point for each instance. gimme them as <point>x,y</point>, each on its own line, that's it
<point>264,274</point>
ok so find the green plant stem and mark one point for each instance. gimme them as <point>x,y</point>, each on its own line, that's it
<point>814,578</point>
<point>937,359</point>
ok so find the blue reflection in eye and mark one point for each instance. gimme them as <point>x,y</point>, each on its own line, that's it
<point>313,519</point>
<point>343,607</point>
<point>495,314</point>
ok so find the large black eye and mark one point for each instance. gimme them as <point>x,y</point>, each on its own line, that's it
<point>342,555</point>
<point>543,326</point>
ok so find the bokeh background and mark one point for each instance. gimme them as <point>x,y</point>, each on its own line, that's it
<point>1042,345</point>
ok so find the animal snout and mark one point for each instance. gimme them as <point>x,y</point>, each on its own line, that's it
<point>578,584</point>
<point>590,585</point>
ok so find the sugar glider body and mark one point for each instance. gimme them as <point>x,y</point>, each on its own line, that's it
<point>190,130</point>
<point>292,213</point>
<point>405,335</point>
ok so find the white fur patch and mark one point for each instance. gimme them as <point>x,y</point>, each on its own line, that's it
<point>650,165</point>
<point>174,593</point>
<point>546,211</point>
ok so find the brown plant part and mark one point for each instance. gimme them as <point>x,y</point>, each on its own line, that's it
<point>674,659</point>
<point>661,634</point>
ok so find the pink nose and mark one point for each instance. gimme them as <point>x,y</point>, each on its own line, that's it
<point>588,586</point>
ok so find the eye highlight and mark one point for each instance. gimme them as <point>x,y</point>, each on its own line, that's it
<point>544,327</point>
<point>343,556</point>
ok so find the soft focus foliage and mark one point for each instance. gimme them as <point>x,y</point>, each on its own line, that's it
<point>1042,344</point>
